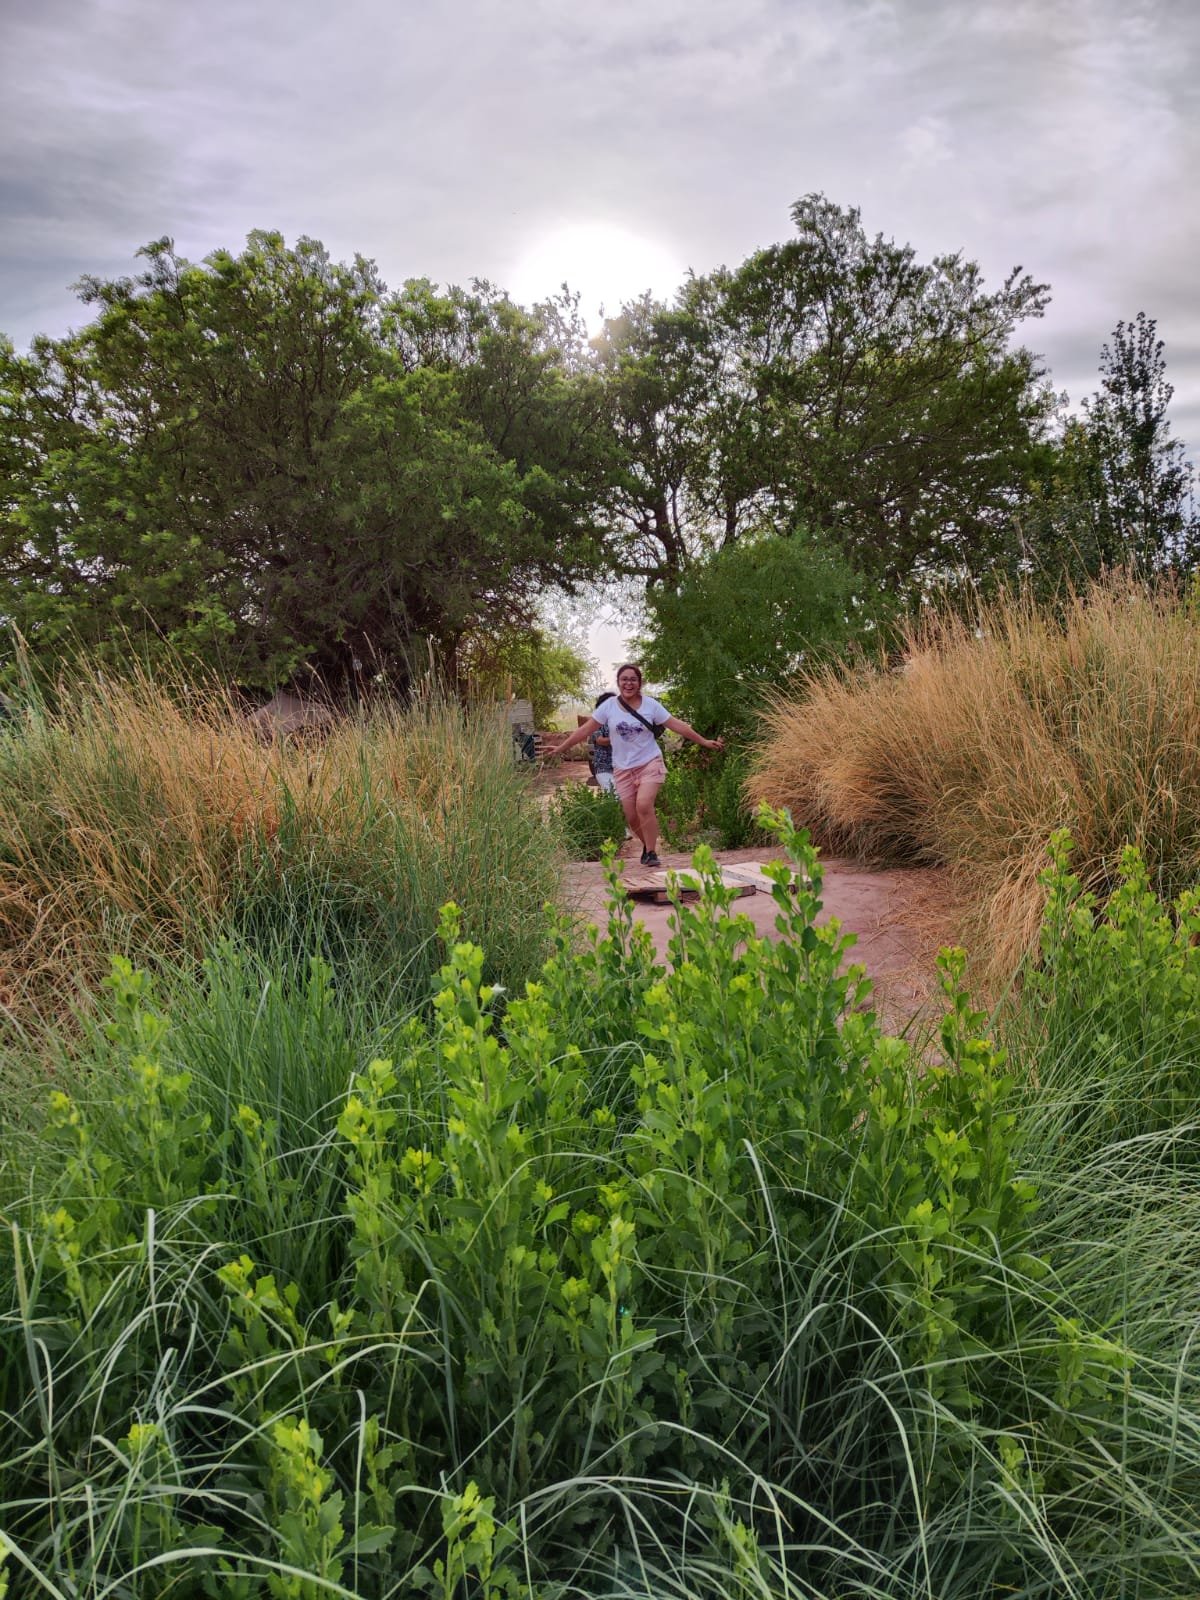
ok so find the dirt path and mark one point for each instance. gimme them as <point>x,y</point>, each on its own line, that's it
<point>900,919</point>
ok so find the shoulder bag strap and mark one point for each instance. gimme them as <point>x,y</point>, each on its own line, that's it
<point>655,730</point>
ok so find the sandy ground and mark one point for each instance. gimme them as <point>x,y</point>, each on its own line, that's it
<point>899,918</point>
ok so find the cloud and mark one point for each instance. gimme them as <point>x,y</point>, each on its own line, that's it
<point>926,142</point>
<point>440,141</point>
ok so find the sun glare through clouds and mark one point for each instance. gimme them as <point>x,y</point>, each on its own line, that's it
<point>605,264</point>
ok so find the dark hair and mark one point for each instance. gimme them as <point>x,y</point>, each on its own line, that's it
<point>601,698</point>
<point>630,666</point>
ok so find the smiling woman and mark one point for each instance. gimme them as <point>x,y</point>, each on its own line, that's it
<point>602,262</point>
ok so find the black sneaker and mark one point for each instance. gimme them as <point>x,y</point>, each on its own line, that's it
<point>645,853</point>
<point>650,858</point>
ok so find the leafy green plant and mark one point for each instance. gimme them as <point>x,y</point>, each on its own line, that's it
<point>588,819</point>
<point>474,1541</point>
<point>704,798</point>
<point>1116,991</point>
<point>678,804</point>
<point>729,812</point>
<point>644,1279</point>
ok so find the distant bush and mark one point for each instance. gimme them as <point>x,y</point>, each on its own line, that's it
<point>588,819</point>
<point>535,664</point>
<point>734,628</point>
<point>999,729</point>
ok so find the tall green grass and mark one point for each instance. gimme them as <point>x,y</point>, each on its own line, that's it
<point>587,819</point>
<point>1000,728</point>
<point>147,817</point>
<point>640,1282</point>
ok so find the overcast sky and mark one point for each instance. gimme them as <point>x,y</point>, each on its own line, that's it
<point>615,144</point>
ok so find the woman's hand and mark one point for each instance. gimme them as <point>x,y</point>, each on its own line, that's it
<point>714,744</point>
<point>570,740</point>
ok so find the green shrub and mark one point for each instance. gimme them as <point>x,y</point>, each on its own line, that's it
<point>730,814</point>
<point>1114,998</point>
<point>647,1281</point>
<point>588,819</point>
<point>678,804</point>
<point>704,798</point>
<point>738,626</point>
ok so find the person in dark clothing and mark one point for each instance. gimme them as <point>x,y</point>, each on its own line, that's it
<point>600,753</point>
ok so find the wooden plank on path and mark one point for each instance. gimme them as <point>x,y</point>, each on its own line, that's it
<point>650,885</point>
<point>663,897</point>
<point>641,880</point>
<point>748,872</point>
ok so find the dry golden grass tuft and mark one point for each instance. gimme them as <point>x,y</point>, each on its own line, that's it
<point>998,729</point>
<point>125,804</point>
<point>142,815</point>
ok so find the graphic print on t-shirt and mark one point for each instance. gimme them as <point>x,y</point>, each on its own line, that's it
<point>633,742</point>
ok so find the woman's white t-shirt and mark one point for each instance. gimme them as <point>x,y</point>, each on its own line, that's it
<point>632,743</point>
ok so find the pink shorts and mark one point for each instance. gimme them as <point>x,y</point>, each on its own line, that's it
<point>650,775</point>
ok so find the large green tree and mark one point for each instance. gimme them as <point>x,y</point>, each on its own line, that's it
<point>253,461</point>
<point>1120,489</point>
<point>1140,478</point>
<point>656,370</point>
<point>832,381</point>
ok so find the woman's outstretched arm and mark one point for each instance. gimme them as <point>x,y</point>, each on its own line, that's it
<point>575,738</point>
<point>688,732</point>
